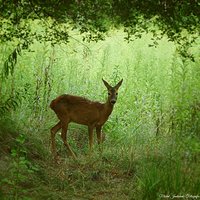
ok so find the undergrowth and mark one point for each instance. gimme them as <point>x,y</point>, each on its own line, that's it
<point>160,166</point>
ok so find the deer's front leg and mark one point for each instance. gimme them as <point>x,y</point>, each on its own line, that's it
<point>99,135</point>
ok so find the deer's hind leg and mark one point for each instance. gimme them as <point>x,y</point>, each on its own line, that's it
<point>64,138</point>
<point>54,130</point>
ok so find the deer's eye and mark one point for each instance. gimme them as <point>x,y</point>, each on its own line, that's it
<point>116,93</point>
<point>109,93</point>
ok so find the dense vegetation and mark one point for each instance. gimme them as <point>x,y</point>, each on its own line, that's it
<point>152,144</point>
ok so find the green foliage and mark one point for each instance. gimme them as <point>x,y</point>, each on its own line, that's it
<point>25,22</point>
<point>10,63</point>
<point>19,170</point>
<point>12,102</point>
<point>94,18</point>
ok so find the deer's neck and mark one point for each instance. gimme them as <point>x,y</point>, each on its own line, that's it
<point>108,108</point>
<point>105,112</point>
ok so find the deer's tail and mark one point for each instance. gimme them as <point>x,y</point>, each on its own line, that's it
<point>53,104</point>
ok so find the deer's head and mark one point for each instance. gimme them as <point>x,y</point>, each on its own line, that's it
<point>112,91</point>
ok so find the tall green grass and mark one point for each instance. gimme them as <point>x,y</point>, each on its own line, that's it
<point>152,137</point>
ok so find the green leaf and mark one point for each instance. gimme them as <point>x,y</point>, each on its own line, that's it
<point>13,152</point>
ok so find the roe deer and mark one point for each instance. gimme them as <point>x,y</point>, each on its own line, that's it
<point>80,110</point>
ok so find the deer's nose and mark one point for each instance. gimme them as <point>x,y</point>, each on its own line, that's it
<point>112,101</point>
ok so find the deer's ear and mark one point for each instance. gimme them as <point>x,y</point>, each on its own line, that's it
<point>106,84</point>
<point>118,84</point>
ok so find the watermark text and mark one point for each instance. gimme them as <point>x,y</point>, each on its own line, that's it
<point>186,196</point>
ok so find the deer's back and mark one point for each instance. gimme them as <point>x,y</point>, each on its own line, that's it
<point>77,109</point>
